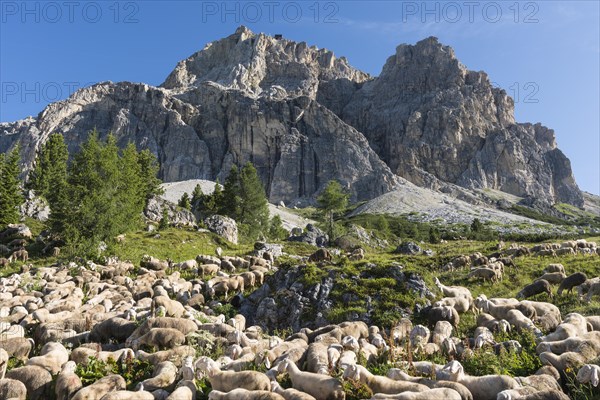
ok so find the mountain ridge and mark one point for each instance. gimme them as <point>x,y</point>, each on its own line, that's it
<point>304,117</point>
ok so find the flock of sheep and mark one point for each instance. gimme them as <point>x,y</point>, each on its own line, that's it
<point>75,313</point>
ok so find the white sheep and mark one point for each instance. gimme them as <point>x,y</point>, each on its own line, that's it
<point>316,358</point>
<point>431,394</point>
<point>419,335</point>
<point>484,387</point>
<point>67,382</point>
<point>589,373</point>
<point>226,381</point>
<point>100,388</point>
<point>381,384</point>
<point>164,375</point>
<point>160,338</point>
<point>244,394</point>
<point>52,357</point>
<point>291,393</point>
<point>317,385</point>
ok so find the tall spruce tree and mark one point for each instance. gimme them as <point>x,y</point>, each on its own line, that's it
<point>232,201</point>
<point>331,201</point>
<point>184,201</point>
<point>50,172</point>
<point>254,207</point>
<point>149,170</point>
<point>197,196</point>
<point>11,196</point>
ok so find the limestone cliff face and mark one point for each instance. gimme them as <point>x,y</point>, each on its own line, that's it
<point>427,116</point>
<point>304,117</point>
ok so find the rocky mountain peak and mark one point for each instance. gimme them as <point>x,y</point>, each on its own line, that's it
<point>304,116</point>
<point>258,64</point>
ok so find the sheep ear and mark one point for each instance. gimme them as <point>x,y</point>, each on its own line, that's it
<point>595,380</point>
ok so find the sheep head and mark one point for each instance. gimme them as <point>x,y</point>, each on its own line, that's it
<point>352,372</point>
<point>589,373</point>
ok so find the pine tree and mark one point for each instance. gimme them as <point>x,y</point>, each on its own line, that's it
<point>50,172</point>
<point>254,207</point>
<point>131,193</point>
<point>149,172</point>
<point>332,200</point>
<point>164,221</point>
<point>184,201</point>
<point>11,196</point>
<point>276,229</point>
<point>197,196</point>
<point>232,201</point>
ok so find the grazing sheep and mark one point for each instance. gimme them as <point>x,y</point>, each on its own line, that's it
<point>484,387</point>
<point>593,322</point>
<point>431,394</point>
<point>537,287</point>
<point>67,382</point>
<point>381,384</point>
<point>399,375</point>
<point>568,344</point>
<point>100,388</point>
<point>129,395</point>
<point>227,381</point>
<point>555,268</point>
<point>12,389</point>
<point>554,278</point>
<point>52,357</point>
<point>589,373</point>
<point>164,376</point>
<point>585,286</point>
<point>172,308</point>
<point>419,335</point>
<point>322,387</point>
<point>17,347</point>
<point>573,325</point>
<point>461,304</point>
<point>165,338</point>
<point>115,328</point>
<point>444,313</point>
<point>37,380</point>
<point>185,390</point>
<point>243,394</point>
<point>571,281</point>
<point>593,291</point>
<point>546,395</point>
<point>316,358</point>
<point>484,273</point>
<point>290,394</point>
<point>176,355</point>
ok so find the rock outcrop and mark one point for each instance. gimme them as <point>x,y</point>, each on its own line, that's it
<point>431,119</point>
<point>223,226</point>
<point>304,117</point>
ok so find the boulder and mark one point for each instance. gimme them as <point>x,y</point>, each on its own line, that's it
<point>15,231</point>
<point>177,215</point>
<point>311,235</point>
<point>223,226</point>
<point>35,207</point>
<point>408,248</point>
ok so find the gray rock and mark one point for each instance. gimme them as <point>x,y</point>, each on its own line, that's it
<point>177,215</point>
<point>34,207</point>
<point>304,117</point>
<point>223,226</point>
<point>16,231</point>
<point>260,248</point>
<point>409,248</point>
<point>311,235</point>
<point>432,121</point>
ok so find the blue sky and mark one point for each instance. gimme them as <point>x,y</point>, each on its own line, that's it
<point>545,54</point>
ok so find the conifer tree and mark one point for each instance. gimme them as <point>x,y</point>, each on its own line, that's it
<point>332,200</point>
<point>197,196</point>
<point>11,196</point>
<point>254,207</point>
<point>184,201</point>
<point>232,201</point>
<point>50,173</point>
